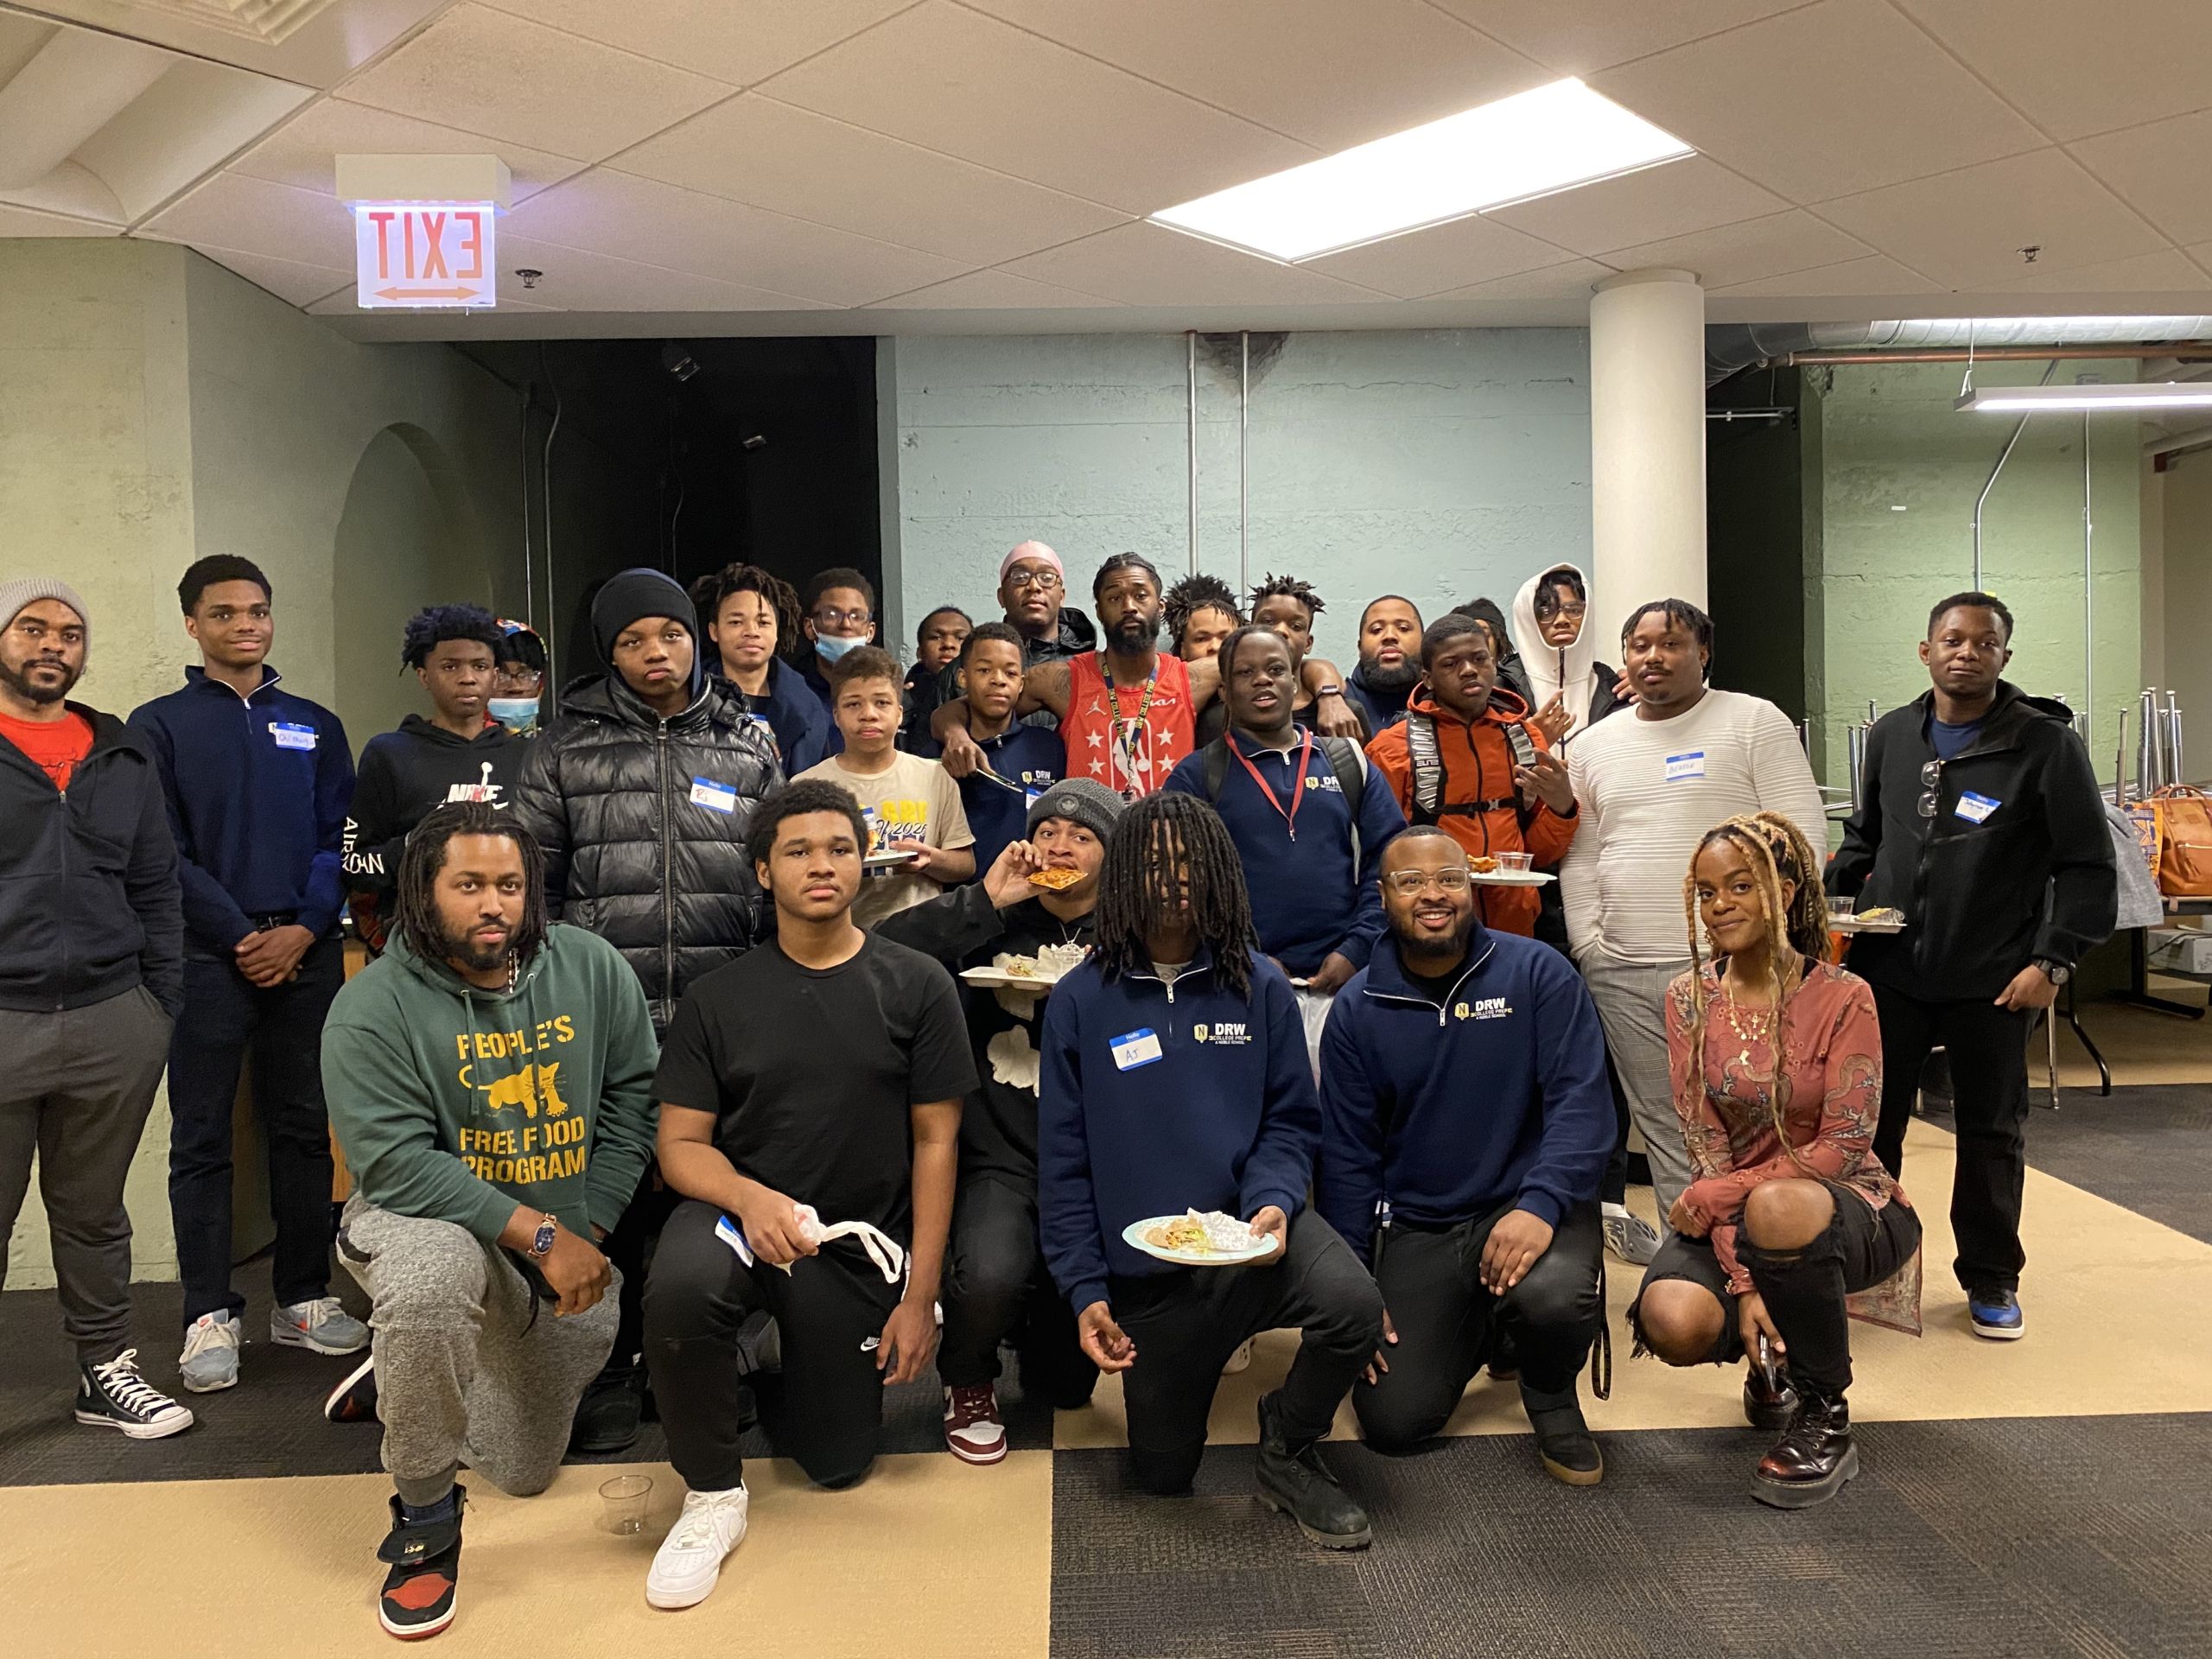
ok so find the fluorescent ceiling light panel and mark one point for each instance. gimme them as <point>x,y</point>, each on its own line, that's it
<point>1532,144</point>
<point>2035,400</point>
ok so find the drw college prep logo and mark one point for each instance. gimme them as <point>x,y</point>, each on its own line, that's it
<point>1483,1007</point>
<point>1228,1034</point>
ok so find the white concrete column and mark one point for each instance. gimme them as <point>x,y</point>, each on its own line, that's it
<point>1647,445</point>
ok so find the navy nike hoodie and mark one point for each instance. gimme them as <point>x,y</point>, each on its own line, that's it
<point>1443,1111</point>
<point>1158,1098</point>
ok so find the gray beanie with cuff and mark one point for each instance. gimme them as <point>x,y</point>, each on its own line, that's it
<point>28,590</point>
<point>1079,800</point>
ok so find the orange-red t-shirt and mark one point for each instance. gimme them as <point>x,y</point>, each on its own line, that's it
<point>55,746</point>
<point>1110,745</point>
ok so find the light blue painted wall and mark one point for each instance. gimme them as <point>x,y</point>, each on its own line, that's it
<point>1439,464</point>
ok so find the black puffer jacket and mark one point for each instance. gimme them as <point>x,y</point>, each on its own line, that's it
<point>637,847</point>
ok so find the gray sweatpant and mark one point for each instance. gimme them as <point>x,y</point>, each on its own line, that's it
<point>464,1374</point>
<point>1631,999</point>
<point>75,1088</point>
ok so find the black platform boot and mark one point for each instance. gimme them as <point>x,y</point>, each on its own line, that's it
<point>1813,1459</point>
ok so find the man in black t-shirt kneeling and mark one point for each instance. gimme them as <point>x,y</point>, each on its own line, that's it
<point>812,1087</point>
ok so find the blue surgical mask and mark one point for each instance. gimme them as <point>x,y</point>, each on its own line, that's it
<point>834,646</point>
<point>513,713</point>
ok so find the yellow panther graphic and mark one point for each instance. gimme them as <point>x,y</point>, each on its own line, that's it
<point>528,1089</point>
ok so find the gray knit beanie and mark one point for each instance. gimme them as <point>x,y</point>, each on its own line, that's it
<point>28,590</point>
<point>1079,800</point>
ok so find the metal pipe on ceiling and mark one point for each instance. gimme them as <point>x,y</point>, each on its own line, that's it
<point>1190,345</point>
<point>2004,456</point>
<point>2193,350</point>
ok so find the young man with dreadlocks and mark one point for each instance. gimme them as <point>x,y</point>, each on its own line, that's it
<point>1201,612</point>
<point>459,753</point>
<point>1791,1224</point>
<point>1176,1077</point>
<point>490,1080</point>
<point>751,618</point>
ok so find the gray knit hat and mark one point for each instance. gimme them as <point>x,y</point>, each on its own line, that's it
<point>28,590</point>
<point>1094,806</point>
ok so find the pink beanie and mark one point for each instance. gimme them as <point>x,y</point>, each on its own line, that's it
<point>1030,550</point>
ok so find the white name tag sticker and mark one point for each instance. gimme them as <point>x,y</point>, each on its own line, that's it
<point>1680,766</point>
<point>715,797</point>
<point>1975,808</point>
<point>290,734</point>
<point>728,1232</point>
<point>1136,1048</point>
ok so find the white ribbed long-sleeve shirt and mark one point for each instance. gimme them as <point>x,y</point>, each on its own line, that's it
<point>1649,789</point>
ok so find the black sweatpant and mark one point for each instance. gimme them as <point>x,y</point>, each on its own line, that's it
<point>995,1287</point>
<point>1988,1050</point>
<point>1803,1289</point>
<point>225,1014</point>
<point>826,1413</point>
<point>1186,1322</point>
<point>1431,1281</point>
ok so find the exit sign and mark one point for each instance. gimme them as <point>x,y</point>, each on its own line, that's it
<point>419,254</point>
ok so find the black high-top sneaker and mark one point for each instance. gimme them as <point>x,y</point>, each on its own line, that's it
<point>1815,1457</point>
<point>114,1396</point>
<point>1293,1481</point>
<point>417,1598</point>
<point>1564,1443</point>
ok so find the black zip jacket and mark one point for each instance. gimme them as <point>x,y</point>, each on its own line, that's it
<point>406,772</point>
<point>642,822</point>
<point>90,906</point>
<point>1984,889</point>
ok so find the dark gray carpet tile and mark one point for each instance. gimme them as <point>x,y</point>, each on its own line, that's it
<point>2075,1536</point>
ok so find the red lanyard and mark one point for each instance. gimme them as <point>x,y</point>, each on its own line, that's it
<point>1297,790</point>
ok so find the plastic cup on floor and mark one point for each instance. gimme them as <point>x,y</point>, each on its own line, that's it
<point>623,1499</point>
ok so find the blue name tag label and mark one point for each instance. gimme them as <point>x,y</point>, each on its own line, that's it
<point>1135,1048</point>
<point>1975,808</point>
<point>290,734</point>
<point>715,797</point>
<point>1680,766</point>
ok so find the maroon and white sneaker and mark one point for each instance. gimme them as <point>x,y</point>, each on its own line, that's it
<point>972,1432</point>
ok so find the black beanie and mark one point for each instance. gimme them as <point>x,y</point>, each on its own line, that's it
<point>629,594</point>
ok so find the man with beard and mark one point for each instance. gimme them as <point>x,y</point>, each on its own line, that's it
<point>1032,589</point>
<point>490,1081</point>
<point>1477,1208</point>
<point>1127,714</point>
<point>91,975</point>
<point>1389,661</point>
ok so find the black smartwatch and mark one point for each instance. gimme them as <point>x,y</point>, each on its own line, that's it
<point>541,1241</point>
<point>2056,972</point>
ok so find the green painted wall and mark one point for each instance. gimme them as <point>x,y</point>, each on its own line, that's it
<point>1896,475</point>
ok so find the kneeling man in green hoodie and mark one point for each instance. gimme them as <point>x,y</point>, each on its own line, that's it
<point>490,1080</point>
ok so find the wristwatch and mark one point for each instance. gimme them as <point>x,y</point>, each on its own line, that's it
<point>2056,972</point>
<point>541,1243</point>
<point>1321,691</point>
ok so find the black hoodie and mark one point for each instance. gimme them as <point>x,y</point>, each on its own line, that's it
<point>2015,864</point>
<point>404,774</point>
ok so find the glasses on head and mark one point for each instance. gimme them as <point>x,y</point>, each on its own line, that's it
<point>1045,582</point>
<point>826,618</point>
<point>1931,779</point>
<point>1452,879</point>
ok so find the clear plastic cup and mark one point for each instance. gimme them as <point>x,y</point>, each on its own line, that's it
<point>1516,860</point>
<point>623,1499</point>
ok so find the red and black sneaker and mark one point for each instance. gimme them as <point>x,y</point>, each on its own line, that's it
<point>417,1598</point>
<point>972,1430</point>
<point>354,1401</point>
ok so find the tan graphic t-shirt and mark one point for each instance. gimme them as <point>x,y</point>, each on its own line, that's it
<point>914,800</point>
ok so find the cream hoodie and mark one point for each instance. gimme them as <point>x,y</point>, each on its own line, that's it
<point>1551,671</point>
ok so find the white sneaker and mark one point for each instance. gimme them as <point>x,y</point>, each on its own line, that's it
<point>322,1326</point>
<point>690,1557</point>
<point>1241,1360</point>
<point>210,1360</point>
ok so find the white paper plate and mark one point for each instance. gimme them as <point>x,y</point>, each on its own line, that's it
<point>1511,878</point>
<point>1851,925</point>
<point>998,978</point>
<point>1133,1236</point>
<point>886,861</point>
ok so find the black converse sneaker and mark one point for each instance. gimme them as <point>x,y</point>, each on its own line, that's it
<point>114,1395</point>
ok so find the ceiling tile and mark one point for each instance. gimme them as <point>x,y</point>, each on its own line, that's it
<point>1876,274</point>
<point>990,291</point>
<point>1967,228</point>
<point>288,279</point>
<point>1148,265</point>
<point>953,80</point>
<point>1387,65</point>
<point>304,153</point>
<point>2160,169</point>
<point>506,77</point>
<point>2164,272</point>
<point>573,280</point>
<point>1571,281</point>
<point>1839,97</point>
<point>2074,68</point>
<point>1577,39</point>
<point>1742,253</point>
<point>1444,257</point>
<point>613,213</point>
<point>22,221</point>
<point>254,216</point>
<point>1676,199</point>
<point>792,161</point>
<point>740,42</point>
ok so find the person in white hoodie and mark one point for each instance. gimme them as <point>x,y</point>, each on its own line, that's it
<point>1559,653</point>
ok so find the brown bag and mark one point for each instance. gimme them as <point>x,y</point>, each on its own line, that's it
<point>2184,819</point>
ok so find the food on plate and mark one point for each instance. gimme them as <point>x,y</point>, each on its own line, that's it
<point>1055,877</point>
<point>1483,864</point>
<point>1881,916</point>
<point>1194,1233</point>
<point>1181,1234</point>
<point>1049,961</point>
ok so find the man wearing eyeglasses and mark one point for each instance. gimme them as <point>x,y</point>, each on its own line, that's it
<point>1032,593</point>
<point>1466,1123</point>
<point>840,606</point>
<point>1979,818</point>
